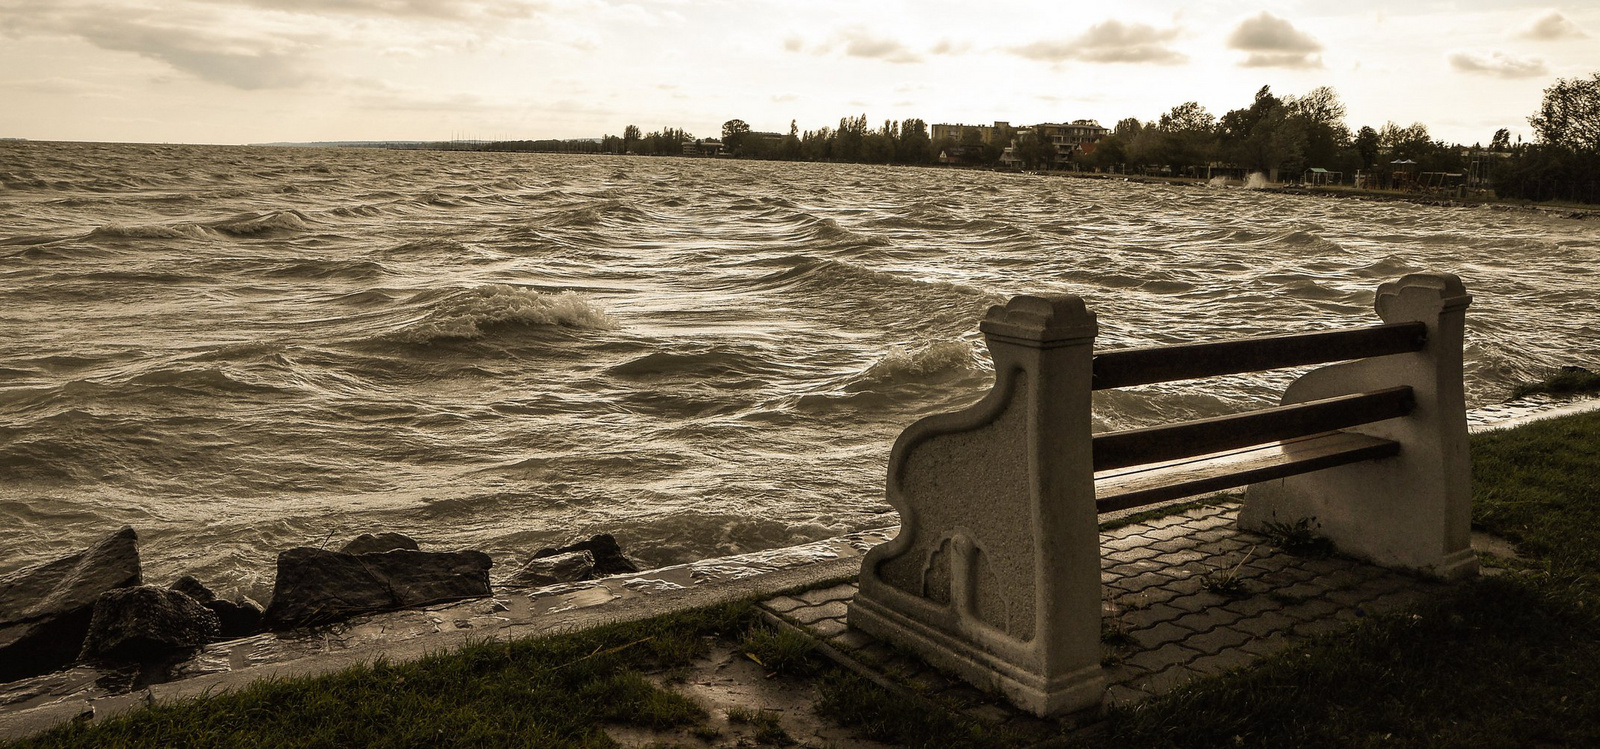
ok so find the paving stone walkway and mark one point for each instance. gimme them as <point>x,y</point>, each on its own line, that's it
<point>1186,596</point>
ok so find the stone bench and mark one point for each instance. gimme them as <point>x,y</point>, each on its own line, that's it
<point>995,574</point>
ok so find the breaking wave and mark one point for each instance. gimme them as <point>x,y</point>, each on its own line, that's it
<point>468,314</point>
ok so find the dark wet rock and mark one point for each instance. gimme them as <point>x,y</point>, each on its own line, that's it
<point>239,618</point>
<point>147,623</point>
<point>570,567</point>
<point>318,587</point>
<point>606,552</point>
<point>193,588</point>
<point>45,610</point>
<point>368,543</point>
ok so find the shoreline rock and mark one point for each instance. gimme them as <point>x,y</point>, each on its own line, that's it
<point>368,543</point>
<point>600,556</point>
<point>147,623</point>
<point>240,617</point>
<point>46,610</point>
<point>315,586</point>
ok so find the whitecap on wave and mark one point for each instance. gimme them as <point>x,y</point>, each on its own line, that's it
<point>469,313</point>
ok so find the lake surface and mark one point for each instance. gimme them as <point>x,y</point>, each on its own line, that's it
<point>239,350</point>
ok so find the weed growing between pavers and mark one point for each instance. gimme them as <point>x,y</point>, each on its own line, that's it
<point>1299,538</point>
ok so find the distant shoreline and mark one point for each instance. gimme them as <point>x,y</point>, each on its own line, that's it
<point>1558,210</point>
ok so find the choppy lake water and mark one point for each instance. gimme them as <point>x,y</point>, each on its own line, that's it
<point>238,350</point>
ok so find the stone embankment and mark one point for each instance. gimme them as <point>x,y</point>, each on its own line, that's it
<point>94,608</point>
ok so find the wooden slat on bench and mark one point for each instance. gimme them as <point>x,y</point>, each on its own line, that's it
<point>1148,484</point>
<point>1141,366</point>
<point>1205,436</point>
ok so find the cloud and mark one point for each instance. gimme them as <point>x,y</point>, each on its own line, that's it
<point>1281,60</point>
<point>1269,33</point>
<point>858,43</point>
<point>1109,41</point>
<point>948,47</point>
<point>1274,43</point>
<point>793,43</point>
<point>1499,64</point>
<point>430,9</point>
<point>1552,26</point>
<point>191,38</point>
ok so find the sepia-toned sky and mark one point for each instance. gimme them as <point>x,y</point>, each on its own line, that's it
<point>237,71</point>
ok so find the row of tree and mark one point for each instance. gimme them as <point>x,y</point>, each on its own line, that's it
<point>1563,163</point>
<point>1277,135</point>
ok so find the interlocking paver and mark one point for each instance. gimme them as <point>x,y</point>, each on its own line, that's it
<point>1121,543</point>
<point>1252,605</point>
<point>1182,556</point>
<point>1166,680</point>
<point>1134,554</point>
<point>1311,609</point>
<point>1302,590</point>
<point>1153,596</point>
<point>1161,534</point>
<point>1160,634</point>
<point>1197,602</point>
<point>1265,623</point>
<point>1149,616</point>
<point>851,640</point>
<point>829,610</point>
<point>1144,580</point>
<point>842,592</point>
<point>783,604</point>
<point>1271,644</point>
<point>1172,544</point>
<point>1162,657</point>
<point>1207,619</point>
<point>1221,662</point>
<point>1216,640</point>
<point>827,628</point>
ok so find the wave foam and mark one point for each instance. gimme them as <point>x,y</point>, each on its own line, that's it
<point>467,314</point>
<point>152,231</point>
<point>935,360</point>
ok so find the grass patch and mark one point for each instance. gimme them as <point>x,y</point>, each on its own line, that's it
<point>853,701</point>
<point>768,730</point>
<point>780,651</point>
<point>1566,381</point>
<point>550,692</point>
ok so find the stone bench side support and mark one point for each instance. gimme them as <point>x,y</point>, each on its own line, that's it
<point>1412,511</point>
<point>995,574</point>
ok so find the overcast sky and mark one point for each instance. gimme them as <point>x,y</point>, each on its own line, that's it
<point>237,71</point>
